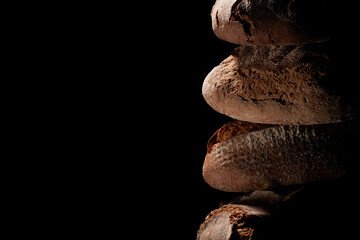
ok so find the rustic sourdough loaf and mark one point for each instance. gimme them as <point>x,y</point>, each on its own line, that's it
<point>244,157</point>
<point>280,85</point>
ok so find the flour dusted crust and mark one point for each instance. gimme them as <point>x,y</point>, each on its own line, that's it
<point>277,85</point>
<point>276,155</point>
<point>277,22</point>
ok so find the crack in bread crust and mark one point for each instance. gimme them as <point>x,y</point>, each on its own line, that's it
<point>278,85</point>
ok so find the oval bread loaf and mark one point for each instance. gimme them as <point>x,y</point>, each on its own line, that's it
<point>280,85</point>
<point>244,157</point>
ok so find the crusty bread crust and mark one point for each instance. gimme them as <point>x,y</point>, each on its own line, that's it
<point>276,85</point>
<point>276,22</point>
<point>230,130</point>
<point>232,221</point>
<point>279,155</point>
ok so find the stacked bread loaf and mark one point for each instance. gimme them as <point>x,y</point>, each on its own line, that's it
<point>294,124</point>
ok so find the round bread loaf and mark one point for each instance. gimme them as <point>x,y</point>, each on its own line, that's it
<point>275,22</point>
<point>281,85</point>
<point>244,157</point>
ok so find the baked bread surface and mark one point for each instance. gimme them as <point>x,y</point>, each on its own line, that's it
<point>278,85</point>
<point>278,155</point>
<point>272,22</point>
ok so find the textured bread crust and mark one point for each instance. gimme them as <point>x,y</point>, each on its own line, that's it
<point>231,221</point>
<point>278,85</point>
<point>276,22</point>
<point>279,155</point>
<point>232,129</point>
